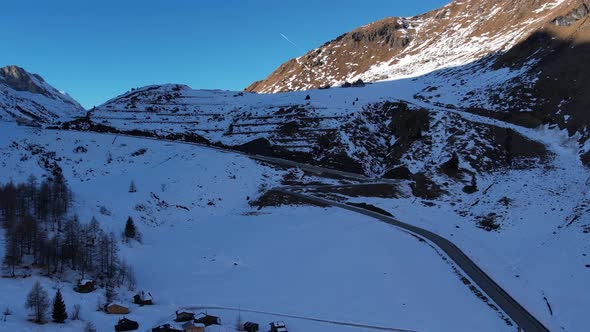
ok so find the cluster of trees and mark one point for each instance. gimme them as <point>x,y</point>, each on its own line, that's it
<point>40,232</point>
<point>38,302</point>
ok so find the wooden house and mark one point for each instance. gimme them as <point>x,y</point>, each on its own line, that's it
<point>206,319</point>
<point>193,327</point>
<point>116,309</point>
<point>184,316</point>
<point>143,298</point>
<point>278,327</point>
<point>125,324</point>
<point>166,328</point>
<point>85,286</point>
<point>251,327</point>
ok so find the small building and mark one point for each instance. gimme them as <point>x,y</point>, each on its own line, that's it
<point>166,328</point>
<point>251,327</point>
<point>193,327</point>
<point>143,298</point>
<point>208,320</point>
<point>278,327</point>
<point>184,316</point>
<point>116,309</point>
<point>125,324</point>
<point>85,286</point>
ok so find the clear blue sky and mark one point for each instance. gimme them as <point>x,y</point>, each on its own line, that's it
<point>97,49</point>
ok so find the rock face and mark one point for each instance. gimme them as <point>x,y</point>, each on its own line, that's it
<point>27,98</point>
<point>456,34</point>
<point>575,15</point>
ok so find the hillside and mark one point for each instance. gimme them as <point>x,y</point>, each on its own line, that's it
<point>204,245</point>
<point>454,35</point>
<point>471,122</point>
<point>520,61</point>
<point>28,99</point>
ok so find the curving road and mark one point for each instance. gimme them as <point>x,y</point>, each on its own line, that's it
<point>509,305</point>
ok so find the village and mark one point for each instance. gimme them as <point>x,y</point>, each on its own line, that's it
<point>183,320</point>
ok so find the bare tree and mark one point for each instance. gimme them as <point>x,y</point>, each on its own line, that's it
<point>89,327</point>
<point>38,302</point>
<point>239,324</point>
<point>76,312</point>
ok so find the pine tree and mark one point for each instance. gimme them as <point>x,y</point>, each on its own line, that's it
<point>59,314</point>
<point>38,302</point>
<point>132,187</point>
<point>130,231</point>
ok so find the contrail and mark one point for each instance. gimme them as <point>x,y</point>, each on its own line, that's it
<point>289,40</point>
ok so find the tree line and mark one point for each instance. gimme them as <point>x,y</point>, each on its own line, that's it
<point>41,232</point>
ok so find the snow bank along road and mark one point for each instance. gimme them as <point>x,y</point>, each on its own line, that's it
<point>510,306</point>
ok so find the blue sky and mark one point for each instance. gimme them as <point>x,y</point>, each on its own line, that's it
<point>96,50</point>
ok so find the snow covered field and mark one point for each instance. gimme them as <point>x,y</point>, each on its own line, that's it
<point>204,245</point>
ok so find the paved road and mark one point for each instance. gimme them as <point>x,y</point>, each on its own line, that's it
<point>510,306</point>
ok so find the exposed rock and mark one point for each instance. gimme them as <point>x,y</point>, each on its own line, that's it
<point>258,146</point>
<point>400,173</point>
<point>451,166</point>
<point>18,79</point>
<point>572,17</point>
<point>424,187</point>
<point>27,99</point>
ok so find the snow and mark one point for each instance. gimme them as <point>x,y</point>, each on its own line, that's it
<point>48,107</point>
<point>540,254</point>
<point>310,262</point>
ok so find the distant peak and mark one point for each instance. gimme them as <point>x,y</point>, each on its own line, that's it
<point>20,80</point>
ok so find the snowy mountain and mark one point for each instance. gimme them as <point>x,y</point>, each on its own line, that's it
<point>27,98</point>
<point>521,61</point>
<point>454,35</point>
<point>471,119</point>
<point>368,130</point>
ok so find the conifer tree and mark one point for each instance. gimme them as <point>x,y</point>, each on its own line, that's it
<point>59,314</point>
<point>132,187</point>
<point>130,230</point>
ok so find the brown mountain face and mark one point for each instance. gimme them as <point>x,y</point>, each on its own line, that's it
<point>561,90</point>
<point>456,34</point>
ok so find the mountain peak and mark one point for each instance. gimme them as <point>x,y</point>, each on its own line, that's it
<point>457,34</point>
<point>27,98</point>
<point>20,80</point>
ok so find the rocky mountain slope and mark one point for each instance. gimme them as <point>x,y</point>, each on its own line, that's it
<point>27,98</point>
<point>521,61</point>
<point>456,34</point>
<point>365,130</point>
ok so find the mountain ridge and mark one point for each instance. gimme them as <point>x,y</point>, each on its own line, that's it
<point>27,98</point>
<point>456,34</point>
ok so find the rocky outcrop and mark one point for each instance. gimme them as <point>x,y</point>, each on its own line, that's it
<point>573,16</point>
<point>28,99</point>
<point>18,79</point>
